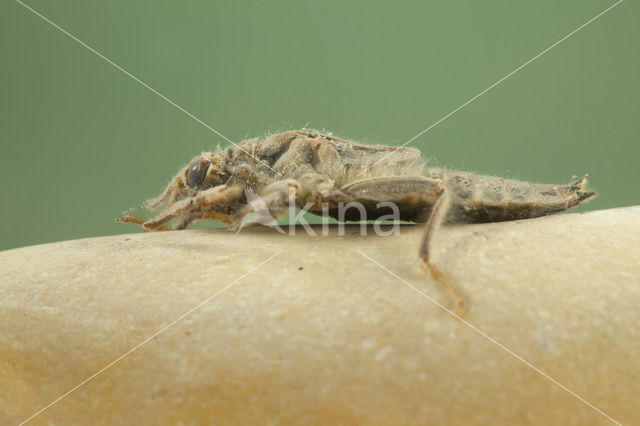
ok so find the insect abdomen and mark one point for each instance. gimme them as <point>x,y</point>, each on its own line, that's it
<point>479,198</point>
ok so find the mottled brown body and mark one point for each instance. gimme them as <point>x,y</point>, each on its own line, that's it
<point>480,198</point>
<point>320,172</point>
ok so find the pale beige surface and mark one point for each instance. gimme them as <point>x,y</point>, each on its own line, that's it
<point>322,335</point>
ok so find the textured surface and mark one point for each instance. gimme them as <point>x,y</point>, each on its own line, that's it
<point>321,334</point>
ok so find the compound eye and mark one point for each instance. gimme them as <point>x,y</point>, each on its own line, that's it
<point>197,173</point>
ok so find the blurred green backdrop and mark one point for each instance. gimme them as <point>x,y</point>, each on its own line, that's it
<point>81,142</point>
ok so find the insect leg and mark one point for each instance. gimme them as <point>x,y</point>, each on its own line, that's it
<point>438,213</point>
<point>193,206</point>
<point>413,195</point>
<point>410,192</point>
<point>395,188</point>
<point>170,190</point>
<point>139,221</point>
<point>186,221</point>
<point>264,208</point>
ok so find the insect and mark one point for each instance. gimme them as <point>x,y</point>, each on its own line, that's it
<point>321,172</point>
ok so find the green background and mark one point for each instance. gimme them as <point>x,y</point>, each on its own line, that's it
<point>81,142</point>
